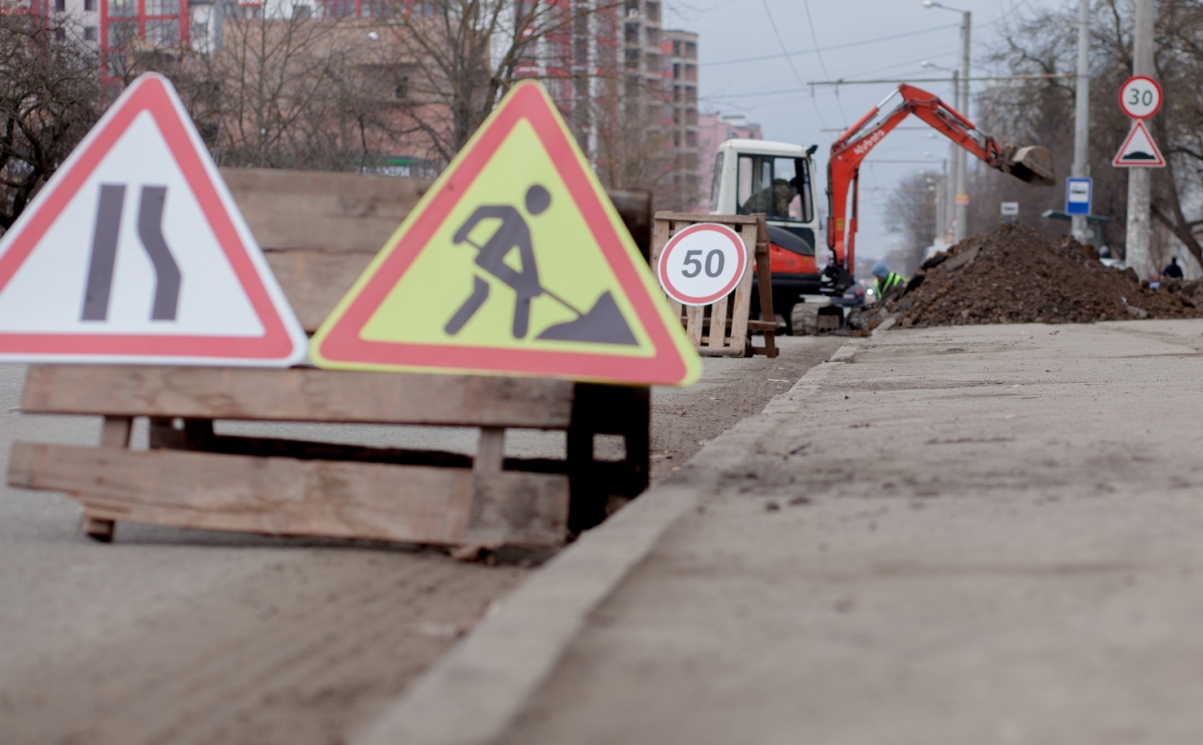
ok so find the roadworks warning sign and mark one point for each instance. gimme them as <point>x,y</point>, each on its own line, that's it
<point>514,263</point>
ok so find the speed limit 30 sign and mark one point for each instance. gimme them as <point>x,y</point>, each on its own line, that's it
<point>702,263</point>
<point>1140,97</point>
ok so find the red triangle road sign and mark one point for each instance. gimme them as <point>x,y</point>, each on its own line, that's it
<point>1139,150</point>
<point>514,263</point>
<point>135,252</point>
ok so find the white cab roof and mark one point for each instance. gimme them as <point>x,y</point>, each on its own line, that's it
<point>764,147</point>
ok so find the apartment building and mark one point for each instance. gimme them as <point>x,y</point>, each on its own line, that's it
<point>680,55</point>
<point>713,130</point>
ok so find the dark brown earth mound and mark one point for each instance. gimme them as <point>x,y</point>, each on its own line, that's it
<point>1016,275</point>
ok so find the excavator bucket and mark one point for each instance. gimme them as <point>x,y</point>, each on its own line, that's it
<point>1033,164</point>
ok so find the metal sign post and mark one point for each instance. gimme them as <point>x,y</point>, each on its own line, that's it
<point>1136,253</point>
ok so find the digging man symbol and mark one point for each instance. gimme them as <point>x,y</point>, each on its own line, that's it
<point>604,323</point>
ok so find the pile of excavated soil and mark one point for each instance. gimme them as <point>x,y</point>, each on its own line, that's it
<point>1016,275</point>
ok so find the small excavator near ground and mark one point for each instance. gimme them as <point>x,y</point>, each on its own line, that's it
<point>775,178</point>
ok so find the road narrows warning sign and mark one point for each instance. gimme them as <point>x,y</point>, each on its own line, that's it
<point>1138,149</point>
<point>514,263</point>
<point>134,252</point>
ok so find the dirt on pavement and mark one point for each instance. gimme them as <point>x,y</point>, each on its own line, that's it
<point>1016,275</point>
<point>684,420</point>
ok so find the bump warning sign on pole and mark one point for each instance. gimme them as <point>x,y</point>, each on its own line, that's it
<point>514,263</point>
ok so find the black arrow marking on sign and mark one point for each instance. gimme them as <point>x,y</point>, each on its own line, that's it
<point>104,253</point>
<point>150,230</point>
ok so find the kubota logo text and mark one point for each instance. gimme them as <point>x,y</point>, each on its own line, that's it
<point>861,147</point>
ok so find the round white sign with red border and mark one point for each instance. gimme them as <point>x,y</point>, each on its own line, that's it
<point>702,263</point>
<point>1140,97</point>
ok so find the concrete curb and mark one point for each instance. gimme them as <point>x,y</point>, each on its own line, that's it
<point>471,695</point>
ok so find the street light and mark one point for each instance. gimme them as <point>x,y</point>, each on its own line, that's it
<point>954,153</point>
<point>963,107</point>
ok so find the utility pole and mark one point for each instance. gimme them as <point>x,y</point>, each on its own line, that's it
<point>962,176</point>
<point>950,189</point>
<point>962,106</point>
<point>1081,165</point>
<point>1136,253</point>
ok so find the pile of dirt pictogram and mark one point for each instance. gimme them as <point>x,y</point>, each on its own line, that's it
<point>1016,275</point>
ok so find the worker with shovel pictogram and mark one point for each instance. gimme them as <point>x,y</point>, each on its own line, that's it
<point>603,323</point>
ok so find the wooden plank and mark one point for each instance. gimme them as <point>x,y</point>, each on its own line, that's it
<point>718,323</point>
<point>743,292</point>
<point>273,447</point>
<point>315,280</point>
<point>335,212</point>
<point>283,496</point>
<point>490,452</point>
<point>115,431</point>
<point>691,217</point>
<point>661,232</point>
<point>764,274</point>
<point>694,314</point>
<point>300,394</point>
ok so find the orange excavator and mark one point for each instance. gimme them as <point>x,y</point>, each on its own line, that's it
<point>1032,164</point>
<point>776,178</point>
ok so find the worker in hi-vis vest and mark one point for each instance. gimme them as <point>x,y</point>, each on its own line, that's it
<point>887,281</point>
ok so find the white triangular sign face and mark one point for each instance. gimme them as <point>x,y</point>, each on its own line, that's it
<point>1138,150</point>
<point>135,252</point>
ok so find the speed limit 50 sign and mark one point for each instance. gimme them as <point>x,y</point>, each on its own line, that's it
<point>1140,97</point>
<point>702,263</point>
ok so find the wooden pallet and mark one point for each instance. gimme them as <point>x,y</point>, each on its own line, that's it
<point>723,328</point>
<point>319,231</point>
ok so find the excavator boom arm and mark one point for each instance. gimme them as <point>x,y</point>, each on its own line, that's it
<point>1031,164</point>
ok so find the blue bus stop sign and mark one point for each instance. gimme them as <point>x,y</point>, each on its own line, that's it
<point>1077,196</point>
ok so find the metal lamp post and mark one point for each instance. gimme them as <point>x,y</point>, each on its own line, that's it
<point>962,198</point>
<point>953,151</point>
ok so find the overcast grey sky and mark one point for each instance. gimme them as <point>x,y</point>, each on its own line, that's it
<point>768,91</point>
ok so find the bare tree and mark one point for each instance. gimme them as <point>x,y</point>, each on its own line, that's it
<point>633,145</point>
<point>911,213</point>
<point>1042,111</point>
<point>50,97</point>
<point>461,56</point>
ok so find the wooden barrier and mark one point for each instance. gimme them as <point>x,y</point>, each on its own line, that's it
<point>319,231</point>
<point>730,335</point>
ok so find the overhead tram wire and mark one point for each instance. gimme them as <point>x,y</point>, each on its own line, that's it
<point>894,81</point>
<point>781,43</point>
<point>833,47</point>
<point>823,65</point>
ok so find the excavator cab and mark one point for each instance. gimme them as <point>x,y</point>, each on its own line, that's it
<point>776,178</point>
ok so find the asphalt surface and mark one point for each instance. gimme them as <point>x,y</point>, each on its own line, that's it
<point>170,636</point>
<point>984,534</point>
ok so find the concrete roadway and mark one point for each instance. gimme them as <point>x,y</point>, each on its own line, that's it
<point>173,636</point>
<point>987,535</point>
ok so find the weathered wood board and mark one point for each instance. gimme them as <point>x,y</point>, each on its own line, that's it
<point>298,394</point>
<point>723,328</point>
<point>285,496</point>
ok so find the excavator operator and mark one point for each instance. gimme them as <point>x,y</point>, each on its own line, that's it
<point>888,283</point>
<point>774,200</point>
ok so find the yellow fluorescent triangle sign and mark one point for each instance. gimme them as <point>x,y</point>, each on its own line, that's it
<point>514,263</point>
